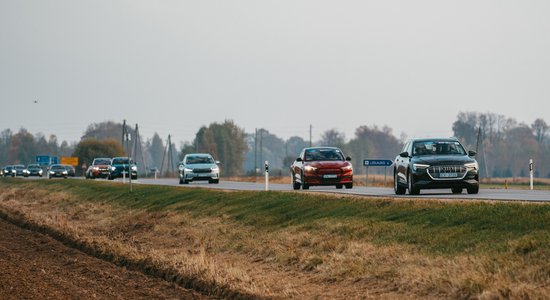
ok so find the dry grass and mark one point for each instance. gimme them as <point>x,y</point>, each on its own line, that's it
<point>319,260</point>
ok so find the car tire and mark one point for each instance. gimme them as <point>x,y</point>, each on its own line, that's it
<point>295,185</point>
<point>186,182</point>
<point>339,186</point>
<point>473,190</point>
<point>413,190</point>
<point>181,181</point>
<point>456,190</point>
<point>134,177</point>
<point>110,177</point>
<point>349,186</point>
<point>305,186</point>
<point>213,181</point>
<point>399,190</point>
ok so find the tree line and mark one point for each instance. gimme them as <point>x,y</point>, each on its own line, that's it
<point>504,146</point>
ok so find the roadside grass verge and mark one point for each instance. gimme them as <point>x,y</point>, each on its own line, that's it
<point>426,248</point>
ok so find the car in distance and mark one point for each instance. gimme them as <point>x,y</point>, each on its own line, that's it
<point>6,171</point>
<point>33,170</point>
<point>18,170</point>
<point>199,166</point>
<point>121,167</point>
<point>100,168</point>
<point>322,166</point>
<point>435,163</point>
<point>57,171</point>
<point>70,170</point>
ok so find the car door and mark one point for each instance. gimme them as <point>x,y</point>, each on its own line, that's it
<point>402,163</point>
<point>297,167</point>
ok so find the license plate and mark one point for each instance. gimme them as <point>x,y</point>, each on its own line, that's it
<point>204,175</point>
<point>448,175</point>
<point>330,176</point>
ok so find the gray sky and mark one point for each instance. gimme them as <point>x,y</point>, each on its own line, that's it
<point>173,66</point>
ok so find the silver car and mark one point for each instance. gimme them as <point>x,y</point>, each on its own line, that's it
<point>199,166</point>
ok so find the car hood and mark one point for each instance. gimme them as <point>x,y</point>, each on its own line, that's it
<point>101,166</point>
<point>327,164</point>
<point>200,166</point>
<point>435,160</point>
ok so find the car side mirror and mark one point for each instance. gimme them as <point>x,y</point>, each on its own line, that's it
<point>348,158</point>
<point>217,162</point>
<point>404,154</point>
<point>472,153</point>
<point>299,159</point>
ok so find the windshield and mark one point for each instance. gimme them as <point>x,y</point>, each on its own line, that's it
<point>438,148</point>
<point>199,160</point>
<point>33,167</point>
<point>55,168</point>
<point>323,154</point>
<point>102,162</point>
<point>120,161</point>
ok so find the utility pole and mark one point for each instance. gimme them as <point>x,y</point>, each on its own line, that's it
<point>256,152</point>
<point>123,139</point>
<point>137,143</point>
<point>478,137</point>
<point>310,134</point>
<point>261,144</point>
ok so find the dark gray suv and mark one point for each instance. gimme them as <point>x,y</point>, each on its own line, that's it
<point>435,164</point>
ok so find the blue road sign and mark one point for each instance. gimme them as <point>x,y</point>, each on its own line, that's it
<point>54,160</point>
<point>43,160</point>
<point>377,162</point>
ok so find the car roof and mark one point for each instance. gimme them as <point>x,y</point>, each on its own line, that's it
<point>446,139</point>
<point>311,148</point>
<point>198,154</point>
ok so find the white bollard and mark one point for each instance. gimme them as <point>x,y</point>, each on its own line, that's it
<point>531,174</point>
<point>266,175</point>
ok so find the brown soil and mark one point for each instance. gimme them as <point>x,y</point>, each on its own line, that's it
<point>35,266</point>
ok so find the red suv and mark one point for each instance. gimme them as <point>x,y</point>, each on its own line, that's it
<point>322,166</point>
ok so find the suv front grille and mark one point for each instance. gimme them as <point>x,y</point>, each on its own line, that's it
<point>202,170</point>
<point>447,172</point>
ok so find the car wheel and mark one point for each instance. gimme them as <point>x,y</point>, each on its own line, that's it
<point>295,185</point>
<point>349,186</point>
<point>473,190</point>
<point>110,177</point>
<point>305,186</point>
<point>339,186</point>
<point>186,182</point>
<point>399,190</point>
<point>413,190</point>
<point>134,177</point>
<point>456,190</point>
<point>181,180</point>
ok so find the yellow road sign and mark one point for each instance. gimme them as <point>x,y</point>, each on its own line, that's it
<point>73,161</point>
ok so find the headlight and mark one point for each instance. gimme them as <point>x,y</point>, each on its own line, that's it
<point>134,168</point>
<point>52,172</point>
<point>214,168</point>
<point>40,172</point>
<point>309,169</point>
<point>420,166</point>
<point>181,167</point>
<point>472,166</point>
<point>65,172</point>
<point>113,169</point>
<point>347,168</point>
<point>187,170</point>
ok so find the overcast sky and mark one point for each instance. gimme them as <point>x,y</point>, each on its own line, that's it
<point>173,66</point>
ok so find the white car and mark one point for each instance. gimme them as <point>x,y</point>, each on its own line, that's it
<point>199,166</point>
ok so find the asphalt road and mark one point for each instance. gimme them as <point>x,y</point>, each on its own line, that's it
<point>484,194</point>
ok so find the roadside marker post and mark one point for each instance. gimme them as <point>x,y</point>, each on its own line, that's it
<point>266,175</point>
<point>376,163</point>
<point>531,174</point>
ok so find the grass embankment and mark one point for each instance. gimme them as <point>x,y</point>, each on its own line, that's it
<point>302,245</point>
